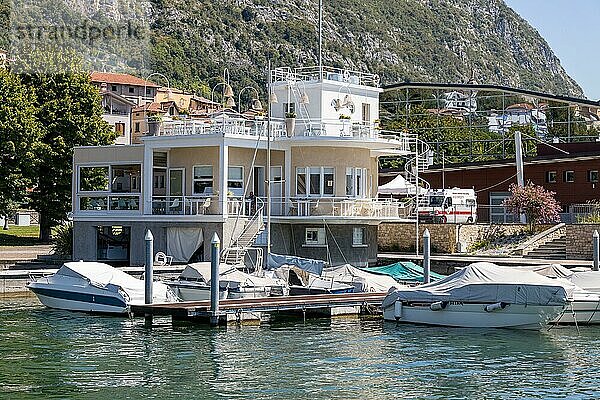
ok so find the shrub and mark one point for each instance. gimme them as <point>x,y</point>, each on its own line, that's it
<point>63,239</point>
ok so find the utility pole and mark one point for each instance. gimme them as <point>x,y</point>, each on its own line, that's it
<point>519,163</point>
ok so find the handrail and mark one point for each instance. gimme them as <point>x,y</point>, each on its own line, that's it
<point>520,249</point>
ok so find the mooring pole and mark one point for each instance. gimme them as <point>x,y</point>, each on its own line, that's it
<point>148,272</point>
<point>519,164</point>
<point>596,245</point>
<point>214,279</point>
<point>426,256</point>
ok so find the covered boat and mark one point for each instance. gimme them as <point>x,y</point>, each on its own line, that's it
<point>481,295</point>
<point>194,283</point>
<point>94,287</point>
<point>362,280</point>
<point>584,304</point>
<point>403,272</point>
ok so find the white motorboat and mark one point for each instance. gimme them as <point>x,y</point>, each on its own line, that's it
<point>584,304</point>
<point>481,295</point>
<point>94,287</point>
<point>194,283</point>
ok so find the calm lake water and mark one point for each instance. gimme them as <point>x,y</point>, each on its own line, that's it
<point>55,354</point>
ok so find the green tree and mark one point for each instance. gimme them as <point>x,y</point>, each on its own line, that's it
<point>19,133</point>
<point>69,111</point>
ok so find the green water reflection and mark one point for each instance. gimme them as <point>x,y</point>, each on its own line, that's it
<point>55,354</point>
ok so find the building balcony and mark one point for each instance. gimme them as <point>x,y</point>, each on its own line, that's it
<point>310,129</point>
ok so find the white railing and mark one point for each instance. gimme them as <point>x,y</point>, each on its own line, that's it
<point>337,207</point>
<point>286,74</point>
<point>222,127</point>
<point>205,205</point>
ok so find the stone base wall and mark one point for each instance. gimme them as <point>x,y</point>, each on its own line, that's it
<point>579,241</point>
<point>444,237</point>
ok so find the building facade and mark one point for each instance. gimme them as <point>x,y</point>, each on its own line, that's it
<point>197,177</point>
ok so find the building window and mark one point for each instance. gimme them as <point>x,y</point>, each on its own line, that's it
<point>113,243</point>
<point>120,129</point>
<point>137,127</point>
<point>131,90</point>
<point>569,176</point>
<point>356,182</point>
<point>93,179</point>
<point>203,180</point>
<point>359,236</point>
<point>321,181</point>
<point>125,178</point>
<point>235,181</point>
<point>289,108</point>
<point>498,213</point>
<point>551,176</point>
<point>148,91</point>
<point>593,176</point>
<point>314,236</point>
<point>113,88</point>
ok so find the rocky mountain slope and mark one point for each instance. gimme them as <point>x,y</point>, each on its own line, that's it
<point>192,41</point>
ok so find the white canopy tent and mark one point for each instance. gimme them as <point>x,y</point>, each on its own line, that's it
<point>398,185</point>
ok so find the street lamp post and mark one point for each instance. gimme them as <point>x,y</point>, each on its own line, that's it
<point>256,104</point>
<point>146,85</point>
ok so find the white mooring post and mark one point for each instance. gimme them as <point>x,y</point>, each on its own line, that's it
<point>214,279</point>
<point>426,256</point>
<point>148,272</point>
<point>596,245</point>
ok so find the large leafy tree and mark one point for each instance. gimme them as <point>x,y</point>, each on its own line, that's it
<point>19,133</point>
<point>537,203</point>
<point>69,111</point>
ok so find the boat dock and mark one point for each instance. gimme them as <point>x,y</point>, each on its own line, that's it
<point>239,310</point>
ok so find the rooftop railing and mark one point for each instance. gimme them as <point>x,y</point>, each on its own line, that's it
<point>286,74</point>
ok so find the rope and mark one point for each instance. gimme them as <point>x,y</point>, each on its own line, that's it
<point>497,184</point>
<point>335,241</point>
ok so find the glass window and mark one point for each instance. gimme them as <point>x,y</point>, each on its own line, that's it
<point>356,179</point>
<point>235,182</point>
<point>593,176</point>
<point>203,180</point>
<point>315,236</point>
<point>328,181</point>
<point>300,181</point>
<point>93,179</point>
<point>358,236</point>
<point>551,176</point>
<point>349,182</point>
<point>160,159</point>
<point>569,176</point>
<point>113,243</point>
<point>315,181</point>
<point>126,178</point>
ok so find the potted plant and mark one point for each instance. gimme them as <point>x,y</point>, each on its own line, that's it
<point>290,123</point>
<point>154,124</point>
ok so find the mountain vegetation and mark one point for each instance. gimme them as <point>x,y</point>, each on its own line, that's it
<point>192,41</point>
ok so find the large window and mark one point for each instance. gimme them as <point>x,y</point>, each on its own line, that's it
<point>126,178</point>
<point>93,179</point>
<point>203,179</point>
<point>499,213</point>
<point>235,181</point>
<point>356,182</point>
<point>359,236</point>
<point>113,243</point>
<point>321,181</point>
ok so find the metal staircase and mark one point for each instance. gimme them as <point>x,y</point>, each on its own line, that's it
<point>242,244</point>
<point>412,172</point>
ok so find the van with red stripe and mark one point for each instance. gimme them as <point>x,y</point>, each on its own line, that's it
<point>457,206</point>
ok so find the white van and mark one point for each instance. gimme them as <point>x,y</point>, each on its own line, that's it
<point>457,206</point>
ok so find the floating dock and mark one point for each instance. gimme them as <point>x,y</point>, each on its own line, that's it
<point>239,310</point>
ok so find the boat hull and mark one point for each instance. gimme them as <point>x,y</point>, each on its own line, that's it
<point>111,303</point>
<point>473,315</point>
<point>194,292</point>
<point>580,312</point>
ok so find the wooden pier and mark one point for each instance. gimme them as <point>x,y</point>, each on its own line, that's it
<point>239,310</point>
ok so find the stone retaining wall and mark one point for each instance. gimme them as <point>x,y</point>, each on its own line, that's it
<point>444,237</point>
<point>579,241</point>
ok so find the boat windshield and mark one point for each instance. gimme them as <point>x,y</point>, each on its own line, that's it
<point>436,201</point>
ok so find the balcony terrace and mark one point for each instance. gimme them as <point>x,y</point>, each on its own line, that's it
<point>286,74</point>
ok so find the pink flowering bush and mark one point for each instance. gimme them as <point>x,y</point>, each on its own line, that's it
<point>537,203</point>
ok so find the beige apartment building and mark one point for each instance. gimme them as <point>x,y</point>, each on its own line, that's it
<point>192,178</point>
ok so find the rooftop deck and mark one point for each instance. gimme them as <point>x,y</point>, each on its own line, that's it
<point>286,74</point>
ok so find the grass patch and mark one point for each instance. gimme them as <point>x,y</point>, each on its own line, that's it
<point>20,236</point>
